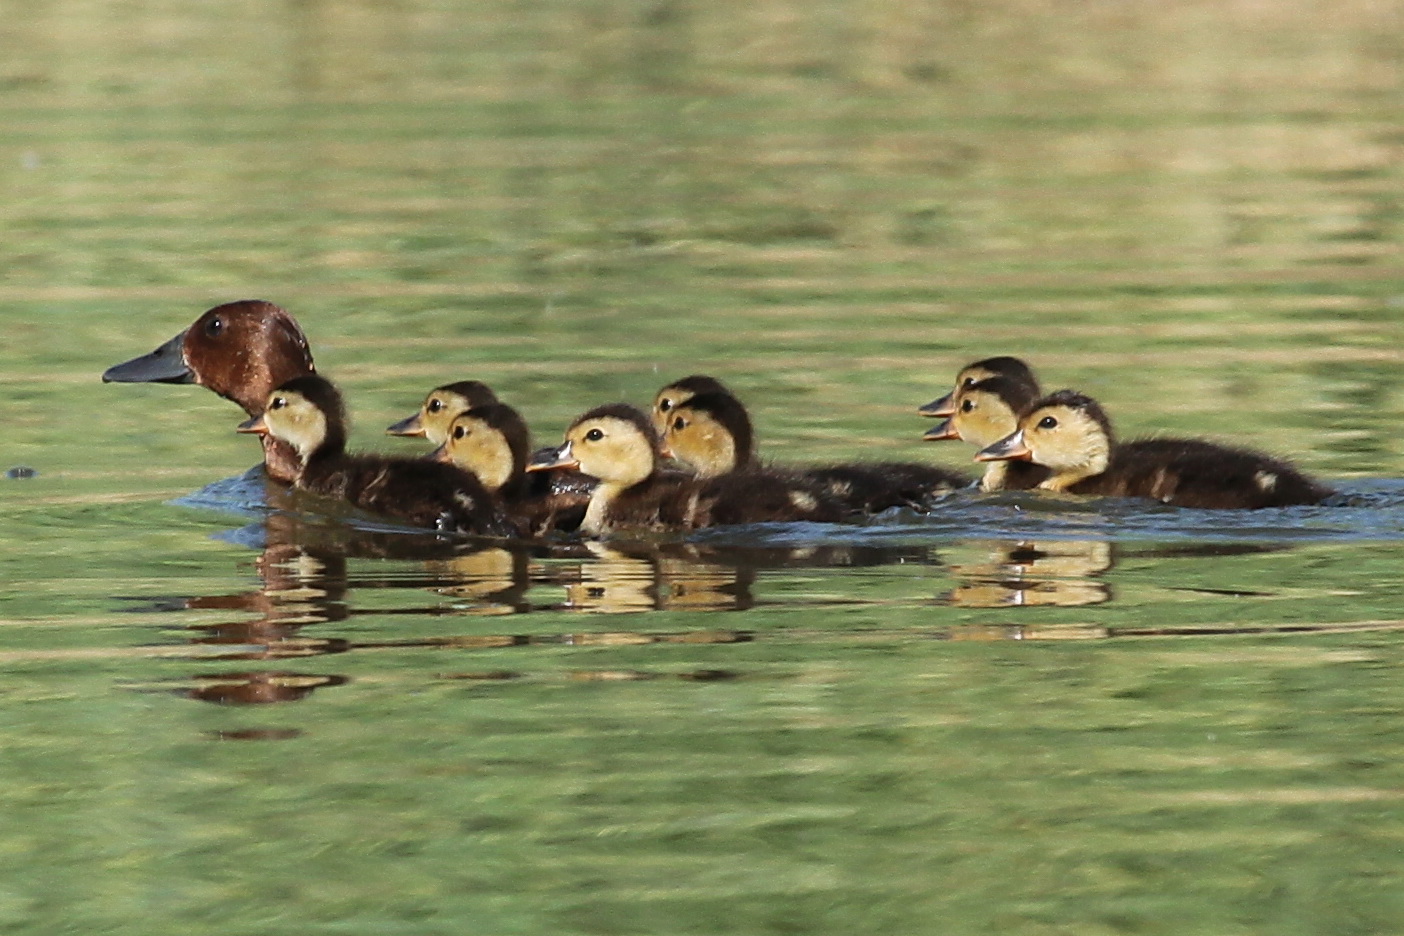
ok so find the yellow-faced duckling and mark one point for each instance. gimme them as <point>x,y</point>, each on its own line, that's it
<point>441,407</point>
<point>711,433</point>
<point>616,444</point>
<point>1071,435</point>
<point>308,413</point>
<point>985,412</point>
<point>568,490</point>
<point>1010,368</point>
<point>492,442</point>
<point>678,392</point>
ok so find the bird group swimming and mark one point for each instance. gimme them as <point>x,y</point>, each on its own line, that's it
<point>687,463</point>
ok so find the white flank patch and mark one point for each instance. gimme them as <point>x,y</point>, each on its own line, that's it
<point>803,500</point>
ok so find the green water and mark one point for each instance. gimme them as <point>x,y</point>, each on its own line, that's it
<point>1008,717</point>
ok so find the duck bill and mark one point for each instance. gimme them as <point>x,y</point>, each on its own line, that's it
<point>410,426</point>
<point>253,426</point>
<point>941,432</point>
<point>1009,448</point>
<point>939,409</point>
<point>441,454</point>
<point>164,365</point>
<point>552,459</point>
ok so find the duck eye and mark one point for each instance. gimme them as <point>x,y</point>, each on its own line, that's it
<point>594,435</point>
<point>967,406</point>
<point>664,405</point>
<point>435,405</point>
<point>459,432</point>
<point>278,403</point>
<point>680,424</point>
<point>214,327</point>
<point>968,382</point>
<point>1048,422</point>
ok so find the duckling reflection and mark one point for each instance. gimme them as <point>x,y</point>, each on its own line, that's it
<point>488,581</point>
<point>1026,574</point>
<point>629,577</point>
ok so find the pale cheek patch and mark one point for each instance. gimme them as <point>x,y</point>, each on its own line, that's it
<point>1265,480</point>
<point>803,500</point>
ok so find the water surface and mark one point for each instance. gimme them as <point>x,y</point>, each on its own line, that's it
<point>1011,715</point>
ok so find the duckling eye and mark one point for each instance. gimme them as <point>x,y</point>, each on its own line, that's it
<point>680,424</point>
<point>664,405</point>
<point>1048,422</point>
<point>278,403</point>
<point>435,405</point>
<point>459,432</point>
<point>968,406</point>
<point>968,382</point>
<point>214,327</point>
<point>594,435</point>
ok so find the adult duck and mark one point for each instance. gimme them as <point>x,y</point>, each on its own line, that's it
<point>241,351</point>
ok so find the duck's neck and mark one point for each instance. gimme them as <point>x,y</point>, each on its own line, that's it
<point>280,460</point>
<point>598,509</point>
<point>602,498</point>
<point>1094,459</point>
<point>995,476</point>
<point>323,458</point>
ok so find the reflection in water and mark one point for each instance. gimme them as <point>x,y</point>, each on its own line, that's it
<point>491,580</point>
<point>314,571</point>
<point>258,688</point>
<point>1062,573</point>
<point>305,579</point>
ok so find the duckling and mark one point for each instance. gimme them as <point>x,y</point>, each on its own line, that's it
<point>493,443</point>
<point>568,492</point>
<point>680,391</point>
<point>616,444</point>
<point>1070,434</point>
<point>441,407</point>
<point>308,413</point>
<point>1009,367</point>
<point>711,433</point>
<point>985,412</point>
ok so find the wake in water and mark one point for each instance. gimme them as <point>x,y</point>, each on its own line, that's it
<point>1364,509</point>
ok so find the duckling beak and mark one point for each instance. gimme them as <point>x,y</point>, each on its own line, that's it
<point>548,459</point>
<point>665,450</point>
<point>164,365</point>
<point>254,425</point>
<point>941,408</point>
<point>410,426</point>
<point>941,432</point>
<point>440,454</point>
<point>1009,448</point>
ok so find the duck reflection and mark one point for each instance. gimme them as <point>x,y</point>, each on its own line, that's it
<point>1026,574</point>
<point>258,688</point>
<point>487,581</point>
<point>622,578</point>
<point>314,570</point>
